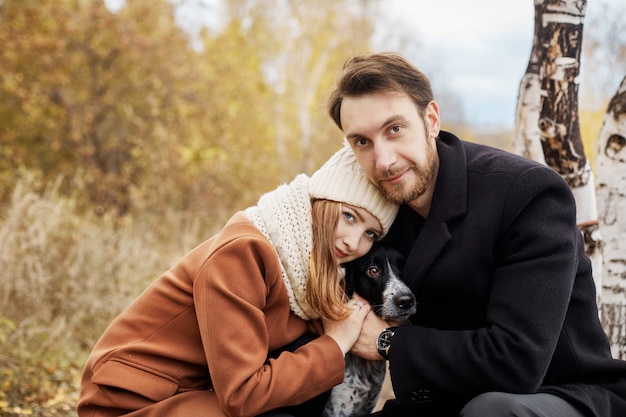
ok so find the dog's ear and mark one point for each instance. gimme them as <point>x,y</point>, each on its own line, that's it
<point>395,255</point>
<point>400,262</point>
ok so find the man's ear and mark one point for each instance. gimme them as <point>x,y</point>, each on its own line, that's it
<point>431,117</point>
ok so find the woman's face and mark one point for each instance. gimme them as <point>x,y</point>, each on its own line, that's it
<point>355,234</point>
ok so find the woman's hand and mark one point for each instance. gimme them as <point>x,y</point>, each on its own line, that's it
<point>346,332</point>
<point>372,326</point>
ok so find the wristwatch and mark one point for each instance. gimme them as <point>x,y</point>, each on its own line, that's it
<point>384,342</point>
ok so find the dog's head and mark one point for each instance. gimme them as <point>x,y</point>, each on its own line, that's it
<point>376,277</point>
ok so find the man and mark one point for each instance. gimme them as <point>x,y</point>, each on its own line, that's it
<point>506,321</point>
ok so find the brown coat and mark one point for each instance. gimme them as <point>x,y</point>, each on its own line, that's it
<point>196,342</point>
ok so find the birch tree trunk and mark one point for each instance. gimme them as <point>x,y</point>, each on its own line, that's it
<point>547,128</point>
<point>611,195</point>
<point>527,140</point>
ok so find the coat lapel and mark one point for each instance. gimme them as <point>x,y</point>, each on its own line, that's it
<point>449,202</point>
<point>425,250</point>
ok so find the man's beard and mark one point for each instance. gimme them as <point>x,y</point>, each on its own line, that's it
<point>399,193</point>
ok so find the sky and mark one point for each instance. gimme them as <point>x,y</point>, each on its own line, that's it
<point>480,49</point>
<point>474,51</point>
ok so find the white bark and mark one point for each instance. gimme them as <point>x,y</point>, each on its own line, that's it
<point>588,223</point>
<point>527,139</point>
<point>611,195</point>
<point>547,112</point>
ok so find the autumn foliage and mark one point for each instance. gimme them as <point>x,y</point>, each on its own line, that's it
<point>125,141</point>
<point>131,115</point>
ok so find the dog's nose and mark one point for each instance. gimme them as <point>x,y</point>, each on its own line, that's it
<point>404,301</point>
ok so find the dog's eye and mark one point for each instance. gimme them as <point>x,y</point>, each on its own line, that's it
<point>373,271</point>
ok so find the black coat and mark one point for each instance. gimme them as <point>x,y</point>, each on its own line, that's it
<point>506,298</point>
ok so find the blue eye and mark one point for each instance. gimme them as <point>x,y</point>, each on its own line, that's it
<point>348,216</point>
<point>371,234</point>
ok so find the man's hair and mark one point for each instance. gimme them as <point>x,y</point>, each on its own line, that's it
<point>380,72</point>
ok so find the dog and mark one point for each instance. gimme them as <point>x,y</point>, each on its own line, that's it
<point>375,277</point>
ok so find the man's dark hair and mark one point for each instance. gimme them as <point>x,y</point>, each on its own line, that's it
<point>380,72</point>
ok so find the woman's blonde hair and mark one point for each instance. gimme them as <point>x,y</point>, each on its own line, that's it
<point>325,290</point>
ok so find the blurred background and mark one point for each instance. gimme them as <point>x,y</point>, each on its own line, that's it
<point>131,130</point>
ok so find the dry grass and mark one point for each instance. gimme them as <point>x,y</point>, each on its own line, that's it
<point>65,277</point>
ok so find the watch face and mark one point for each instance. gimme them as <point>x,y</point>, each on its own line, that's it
<point>384,340</point>
<point>383,343</point>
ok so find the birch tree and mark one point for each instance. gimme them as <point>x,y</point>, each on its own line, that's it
<point>527,140</point>
<point>547,125</point>
<point>611,195</point>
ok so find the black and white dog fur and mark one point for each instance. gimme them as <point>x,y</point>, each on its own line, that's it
<point>375,277</point>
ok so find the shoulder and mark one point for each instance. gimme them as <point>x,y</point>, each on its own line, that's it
<point>238,243</point>
<point>483,160</point>
<point>239,230</point>
<point>498,175</point>
<point>486,159</point>
<point>525,173</point>
<point>239,224</point>
<point>522,184</point>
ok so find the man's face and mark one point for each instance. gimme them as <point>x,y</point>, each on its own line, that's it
<point>394,144</point>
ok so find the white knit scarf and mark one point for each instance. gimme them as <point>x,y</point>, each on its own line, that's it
<point>284,218</point>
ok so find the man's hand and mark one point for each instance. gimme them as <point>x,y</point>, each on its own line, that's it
<point>373,325</point>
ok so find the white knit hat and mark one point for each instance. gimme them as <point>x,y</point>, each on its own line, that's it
<point>341,179</point>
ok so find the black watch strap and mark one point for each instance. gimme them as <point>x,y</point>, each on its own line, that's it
<point>384,342</point>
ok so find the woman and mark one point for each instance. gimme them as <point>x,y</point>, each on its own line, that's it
<point>231,330</point>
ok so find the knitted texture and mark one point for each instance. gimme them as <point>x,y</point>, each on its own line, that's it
<point>284,218</point>
<point>342,179</point>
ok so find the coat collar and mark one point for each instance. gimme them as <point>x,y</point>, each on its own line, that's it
<point>450,196</point>
<point>449,202</point>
